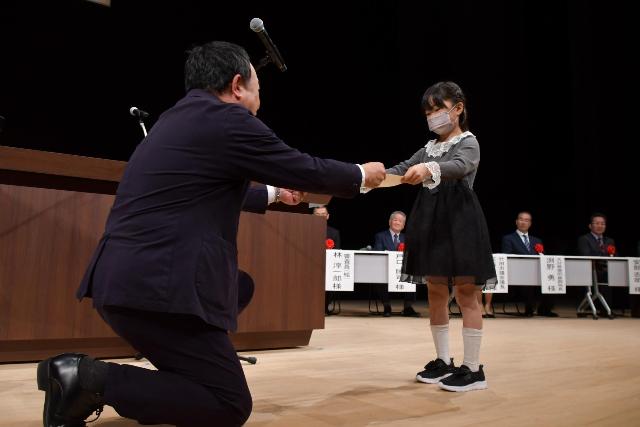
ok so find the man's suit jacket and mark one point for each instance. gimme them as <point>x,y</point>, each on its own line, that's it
<point>334,234</point>
<point>256,200</point>
<point>170,239</point>
<point>384,242</point>
<point>588,246</point>
<point>512,244</point>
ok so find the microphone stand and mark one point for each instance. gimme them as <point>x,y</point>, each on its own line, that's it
<point>136,112</point>
<point>144,130</point>
<point>249,359</point>
<point>264,61</point>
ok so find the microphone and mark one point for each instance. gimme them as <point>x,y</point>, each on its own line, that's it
<point>136,112</point>
<point>257,26</point>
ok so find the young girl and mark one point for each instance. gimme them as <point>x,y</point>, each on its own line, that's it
<point>447,241</point>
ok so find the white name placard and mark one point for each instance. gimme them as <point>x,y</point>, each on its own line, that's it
<point>339,270</point>
<point>502,275</point>
<point>553,277</point>
<point>634,276</point>
<point>394,260</point>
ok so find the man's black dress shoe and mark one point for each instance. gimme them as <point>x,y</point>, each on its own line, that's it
<point>528,311</point>
<point>410,312</point>
<point>547,313</point>
<point>66,403</point>
<point>387,311</point>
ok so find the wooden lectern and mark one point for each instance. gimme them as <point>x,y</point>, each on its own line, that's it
<point>53,208</point>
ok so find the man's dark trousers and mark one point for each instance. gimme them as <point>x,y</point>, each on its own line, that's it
<point>199,381</point>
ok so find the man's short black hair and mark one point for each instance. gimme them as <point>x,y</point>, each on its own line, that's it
<point>213,65</point>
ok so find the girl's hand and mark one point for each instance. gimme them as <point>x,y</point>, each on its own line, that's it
<point>416,174</point>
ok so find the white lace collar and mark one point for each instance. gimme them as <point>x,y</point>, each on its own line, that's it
<point>437,149</point>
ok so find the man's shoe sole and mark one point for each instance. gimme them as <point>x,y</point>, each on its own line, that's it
<point>43,385</point>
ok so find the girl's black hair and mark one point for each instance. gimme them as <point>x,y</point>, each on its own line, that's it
<point>435,96</point>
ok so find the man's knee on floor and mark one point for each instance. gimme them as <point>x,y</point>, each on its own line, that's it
<point>232,411</point>
<point>242,406</point>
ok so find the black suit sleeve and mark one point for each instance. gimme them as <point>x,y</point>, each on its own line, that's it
<point>378,245</point>
<point>256,153</point>
<point>584,249</point>
<point>256,200</point>
<point>334,234</point>
<point>507,245</point>
<point>337,240</point>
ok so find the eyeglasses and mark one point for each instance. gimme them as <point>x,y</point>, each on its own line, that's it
<point>598,223</point>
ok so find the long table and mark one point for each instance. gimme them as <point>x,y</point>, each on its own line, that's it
<point>522,270</point>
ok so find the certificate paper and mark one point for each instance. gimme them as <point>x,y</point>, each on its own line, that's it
<point>389,181</point>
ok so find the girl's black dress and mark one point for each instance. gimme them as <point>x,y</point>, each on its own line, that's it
<point>446,233</point>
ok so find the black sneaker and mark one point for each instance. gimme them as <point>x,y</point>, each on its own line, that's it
<point>464,380</point>
<point>435,370</point>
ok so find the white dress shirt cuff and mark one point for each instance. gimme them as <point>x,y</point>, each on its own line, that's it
<point>271,194</point>
<point>363,189</point>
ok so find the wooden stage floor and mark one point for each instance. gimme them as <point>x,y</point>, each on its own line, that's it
<point>360,371</point>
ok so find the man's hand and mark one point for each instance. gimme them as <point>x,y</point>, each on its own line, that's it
<point>291,197</point>
<point>416,174</point>
<point>374,174</point>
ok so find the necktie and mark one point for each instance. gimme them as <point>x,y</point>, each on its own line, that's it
<point>601,244</point>
<point>395,240</point>
<point>526,242</point>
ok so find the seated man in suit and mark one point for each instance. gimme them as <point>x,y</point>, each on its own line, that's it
<point>333,234</point>
<point>595,243</point>
<point>388,240</point>
<point>164,276</point>
<point>520,242</point>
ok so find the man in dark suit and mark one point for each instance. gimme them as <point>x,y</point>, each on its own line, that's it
<point>333,234</point>
<point>520,242</point>
<point>595,243</point>
<point>164,275</point>
<point>388,240</point>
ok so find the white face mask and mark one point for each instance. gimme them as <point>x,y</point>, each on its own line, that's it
<point>441,122</point>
